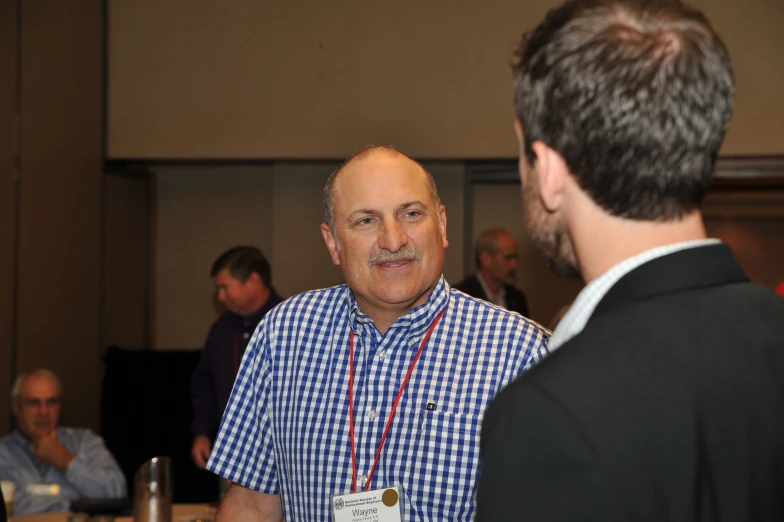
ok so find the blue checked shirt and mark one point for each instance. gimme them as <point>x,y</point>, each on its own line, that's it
<point>286,428</point>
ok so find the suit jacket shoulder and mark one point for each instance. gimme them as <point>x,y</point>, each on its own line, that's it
<point>675,389</point>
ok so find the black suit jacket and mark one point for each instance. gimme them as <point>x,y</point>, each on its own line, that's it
<point>669,406</point>
<point>515,298</point>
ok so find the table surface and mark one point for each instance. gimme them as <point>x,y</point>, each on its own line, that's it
<point>180,512</point>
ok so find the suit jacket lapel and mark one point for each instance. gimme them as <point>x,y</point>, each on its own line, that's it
<point>689,269</point>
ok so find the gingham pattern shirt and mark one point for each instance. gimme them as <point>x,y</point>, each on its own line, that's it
<point>286,428</point>
<point>575,319</point>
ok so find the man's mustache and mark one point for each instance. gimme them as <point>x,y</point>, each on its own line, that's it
<point>384,256</point>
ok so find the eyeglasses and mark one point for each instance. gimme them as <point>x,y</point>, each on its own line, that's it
<point>31,402</point>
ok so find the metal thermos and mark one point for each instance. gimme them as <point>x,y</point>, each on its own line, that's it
<point>152,497</point>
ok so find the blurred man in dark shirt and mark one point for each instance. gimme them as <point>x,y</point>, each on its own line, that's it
<point>243,281</point>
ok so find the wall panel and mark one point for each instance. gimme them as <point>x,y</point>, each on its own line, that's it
<point>126,260</point>
<point>312,79</point>
<point>60,198</point>
<point>8,140</point>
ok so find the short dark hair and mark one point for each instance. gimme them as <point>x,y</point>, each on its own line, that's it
<point>636,95</point>
<point>329,186</point>
<point>242,261</point>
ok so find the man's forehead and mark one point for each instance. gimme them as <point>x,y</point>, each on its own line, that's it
<point>39,385</point>
<point>382,162</point>
<point>224,276</point>
<point>370,174</point>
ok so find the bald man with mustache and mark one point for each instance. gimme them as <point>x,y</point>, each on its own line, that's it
<point>366,399</point>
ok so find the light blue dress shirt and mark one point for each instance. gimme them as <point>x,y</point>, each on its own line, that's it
<point>92,474</point>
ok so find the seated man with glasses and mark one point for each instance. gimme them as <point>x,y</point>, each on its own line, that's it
<point>51,465</point>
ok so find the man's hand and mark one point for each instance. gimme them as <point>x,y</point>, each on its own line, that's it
<point>49,450</point>
<point>200,451</point>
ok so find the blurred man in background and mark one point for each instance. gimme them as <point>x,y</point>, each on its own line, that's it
<point>52,465</point>
<point>243,281</point>
<point>496,259</point>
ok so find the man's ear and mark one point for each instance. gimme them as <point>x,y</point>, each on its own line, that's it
<point>442,225</point>
<point>518,128</point>
<point>551,172</point>
<point>255,279</point>
<point>484,258</point>
<point>332,244</point>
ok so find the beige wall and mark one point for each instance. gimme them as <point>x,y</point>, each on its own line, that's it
<point>312,79</point>
<point>201,211</point>
<point>300,260</point>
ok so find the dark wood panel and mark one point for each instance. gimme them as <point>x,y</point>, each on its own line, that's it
<point>60,203</point>
<point>8,81</point>
<point>126,261</point>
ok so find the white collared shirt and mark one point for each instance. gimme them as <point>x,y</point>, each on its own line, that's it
<point>587,300</point>
<point>499,298</point>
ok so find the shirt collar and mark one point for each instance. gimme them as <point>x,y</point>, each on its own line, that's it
<point>587,300</point>
<point>498,298</point>
<point>417,320</point>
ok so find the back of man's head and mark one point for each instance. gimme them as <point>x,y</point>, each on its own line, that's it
<point>636,95</point>
<point>242,261</point>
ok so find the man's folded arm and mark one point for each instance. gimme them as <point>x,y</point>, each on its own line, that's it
<point>94,472</point>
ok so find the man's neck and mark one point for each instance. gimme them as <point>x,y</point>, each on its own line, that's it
<point>260,301</point>
<point>603,241</point>
<point>385,316</point>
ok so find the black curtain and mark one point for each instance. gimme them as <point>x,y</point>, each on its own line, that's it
<point>146,412</point>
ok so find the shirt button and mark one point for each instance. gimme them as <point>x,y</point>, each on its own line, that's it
<point>372,414</point>
<point>382,355</point>
<point>363,479</point>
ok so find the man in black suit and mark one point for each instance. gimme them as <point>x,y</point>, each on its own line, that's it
<point>664,398</point>
<point>496,259</point>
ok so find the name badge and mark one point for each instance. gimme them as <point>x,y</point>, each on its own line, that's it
<point>44,490</point>
<point>376,505</point>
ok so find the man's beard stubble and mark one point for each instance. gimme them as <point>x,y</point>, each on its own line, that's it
<point>550,237</point>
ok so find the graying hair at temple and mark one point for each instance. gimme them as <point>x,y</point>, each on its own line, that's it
<point>16,389</point>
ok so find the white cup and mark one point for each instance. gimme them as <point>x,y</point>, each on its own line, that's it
<point>9,488</point>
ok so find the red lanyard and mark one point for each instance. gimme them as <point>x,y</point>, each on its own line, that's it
<point>391,413</point>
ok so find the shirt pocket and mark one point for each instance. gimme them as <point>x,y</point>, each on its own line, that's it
<point>444,464</point>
